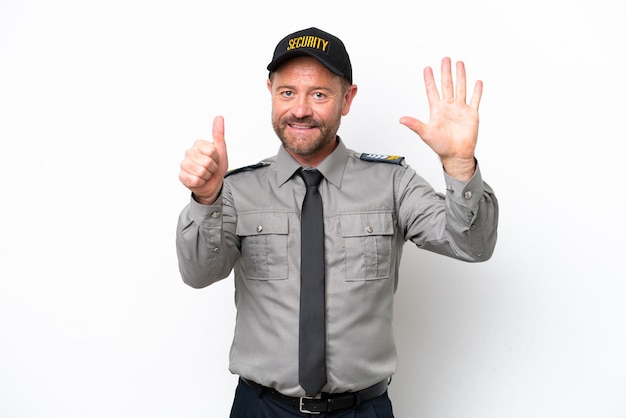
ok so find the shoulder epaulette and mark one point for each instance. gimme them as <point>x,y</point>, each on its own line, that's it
<point>380,158</point>
<point>247,168</point>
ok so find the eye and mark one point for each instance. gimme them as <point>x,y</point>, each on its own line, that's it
<point>319,95</point>
<point>287,93</point>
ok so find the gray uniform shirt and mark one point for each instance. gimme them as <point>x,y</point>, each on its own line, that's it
<point>370,210</point>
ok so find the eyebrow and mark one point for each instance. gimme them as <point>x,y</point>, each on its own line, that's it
<point>290,87</point>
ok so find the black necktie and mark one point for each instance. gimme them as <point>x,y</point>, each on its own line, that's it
<point>312,350</point>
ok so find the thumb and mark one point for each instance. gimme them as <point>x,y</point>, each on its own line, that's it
<point>220,142</point>
<point>413,124</point>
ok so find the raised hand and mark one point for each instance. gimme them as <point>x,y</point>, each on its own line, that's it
<point>205,164</point>
<point>452,131</point>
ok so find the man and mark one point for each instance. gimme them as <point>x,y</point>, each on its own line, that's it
<point>249,220</point>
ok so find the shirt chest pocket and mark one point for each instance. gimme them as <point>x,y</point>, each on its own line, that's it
<point>264,245</point>
<point>367,240</point>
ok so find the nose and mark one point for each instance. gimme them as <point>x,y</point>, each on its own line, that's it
<point>302,107</point>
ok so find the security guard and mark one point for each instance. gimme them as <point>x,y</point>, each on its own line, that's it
<point>249,220</point>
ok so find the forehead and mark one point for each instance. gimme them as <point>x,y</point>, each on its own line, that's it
<point>304,68</point>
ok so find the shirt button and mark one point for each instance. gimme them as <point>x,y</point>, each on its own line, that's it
<point>216,250</point>
<point>369,229</point>
<point>215,214</point>
<point>259,228</point>
<point>467,195</point>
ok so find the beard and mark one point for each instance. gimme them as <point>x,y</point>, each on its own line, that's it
<point>310,143</point>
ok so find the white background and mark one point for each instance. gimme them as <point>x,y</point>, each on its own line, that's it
<point>99,100</point>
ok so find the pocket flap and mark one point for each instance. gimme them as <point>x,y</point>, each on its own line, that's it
<point>262,223</point>
<point>365,224</point>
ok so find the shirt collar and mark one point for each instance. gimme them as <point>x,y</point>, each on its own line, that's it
<point>332,167</point>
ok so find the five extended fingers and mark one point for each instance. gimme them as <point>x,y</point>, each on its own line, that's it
<point>450,93</point>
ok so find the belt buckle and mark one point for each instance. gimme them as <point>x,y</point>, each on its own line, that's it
<point>302,408</point>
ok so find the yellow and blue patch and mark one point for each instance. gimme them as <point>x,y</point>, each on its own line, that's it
<point>382,158</point>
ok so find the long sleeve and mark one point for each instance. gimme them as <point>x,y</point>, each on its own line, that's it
<point>461,224</point>
<point>205,253</point>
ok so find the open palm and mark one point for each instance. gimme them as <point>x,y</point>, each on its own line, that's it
<point>452,130</point>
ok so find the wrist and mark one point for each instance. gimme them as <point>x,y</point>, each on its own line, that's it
<point>203,200</point>
<point>460,168</point>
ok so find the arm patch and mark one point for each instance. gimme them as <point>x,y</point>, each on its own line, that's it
<point>246,168</point>
<point>380,158</point>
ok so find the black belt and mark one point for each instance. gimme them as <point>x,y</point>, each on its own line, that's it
<point>328,402</point>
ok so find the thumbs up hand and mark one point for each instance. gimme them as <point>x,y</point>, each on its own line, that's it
<point>205,164</point>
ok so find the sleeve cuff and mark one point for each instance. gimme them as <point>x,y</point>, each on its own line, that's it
<point>467,193</point>
<point>209,215</point>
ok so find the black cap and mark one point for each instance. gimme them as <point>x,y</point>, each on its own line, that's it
<point>326,48</point>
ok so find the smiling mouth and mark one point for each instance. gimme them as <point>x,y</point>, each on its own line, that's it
<point>302,124</point>
<point>298,126</point>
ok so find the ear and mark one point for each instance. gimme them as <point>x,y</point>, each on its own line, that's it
<point>347,99</point>
<point>269,85</point>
